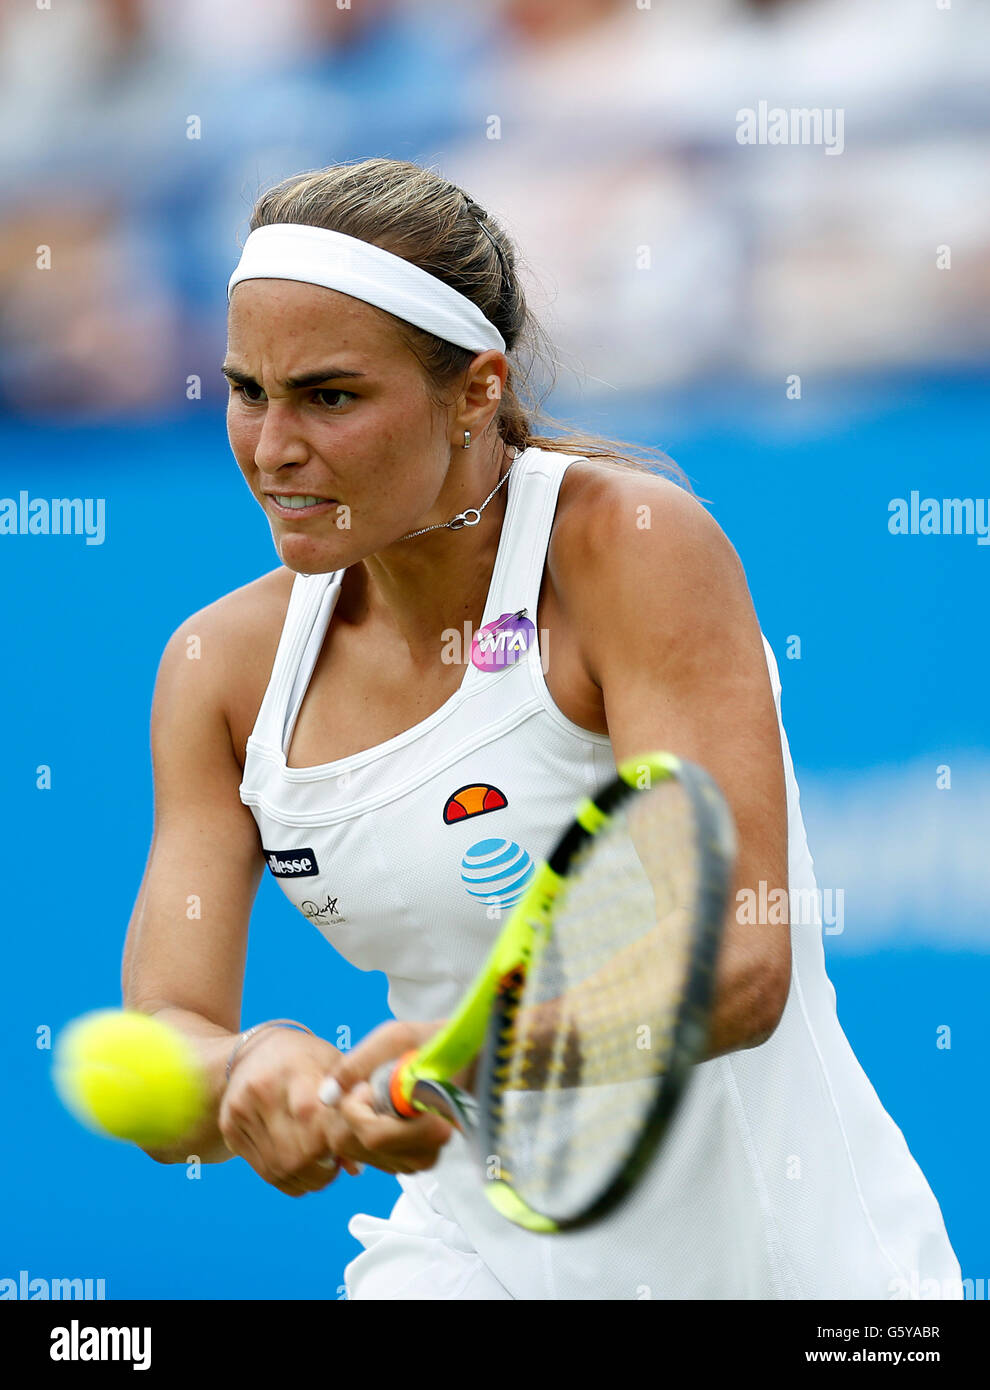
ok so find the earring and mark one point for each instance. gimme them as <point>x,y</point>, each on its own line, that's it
<point>467,440</point>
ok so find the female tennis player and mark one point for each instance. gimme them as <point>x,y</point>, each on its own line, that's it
<point>336,731</point>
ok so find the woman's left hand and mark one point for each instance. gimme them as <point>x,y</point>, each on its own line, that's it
<point>355,1129</point>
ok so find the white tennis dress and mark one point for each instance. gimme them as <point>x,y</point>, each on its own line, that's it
<point>782,1177</point>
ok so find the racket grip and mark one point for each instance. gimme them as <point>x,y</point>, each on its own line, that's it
<point>381,1089</point>
<point>434,1097</point>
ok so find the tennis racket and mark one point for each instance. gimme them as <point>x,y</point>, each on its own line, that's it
<point>593,1004</point>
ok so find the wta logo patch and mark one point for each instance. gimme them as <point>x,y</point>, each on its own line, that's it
<point>500,643</point>
<point>291,863</point>
<point>473,800</point>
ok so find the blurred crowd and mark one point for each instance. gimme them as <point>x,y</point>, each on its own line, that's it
<point>606,135</point>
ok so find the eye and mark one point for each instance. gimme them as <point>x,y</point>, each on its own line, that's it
<point>244,389</point>
<point>252,394</point>
<point>332,391</point>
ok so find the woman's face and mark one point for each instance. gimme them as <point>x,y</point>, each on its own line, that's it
<point>327,403</point>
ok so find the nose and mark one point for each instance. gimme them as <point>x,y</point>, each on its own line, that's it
<point>279,439</point>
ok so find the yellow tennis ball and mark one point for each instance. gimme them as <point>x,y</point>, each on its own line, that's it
<point>130,1075</point>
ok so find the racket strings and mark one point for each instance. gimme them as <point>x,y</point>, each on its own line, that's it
<point>586,1039</point>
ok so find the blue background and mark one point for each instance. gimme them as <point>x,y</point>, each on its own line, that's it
<point>894,667</point>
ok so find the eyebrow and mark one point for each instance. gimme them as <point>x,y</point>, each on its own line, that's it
<point>294,383</point>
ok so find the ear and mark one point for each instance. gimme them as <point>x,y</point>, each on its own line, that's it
<point>482,390</point>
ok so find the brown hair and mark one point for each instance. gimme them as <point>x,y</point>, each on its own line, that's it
<point>415,213</point>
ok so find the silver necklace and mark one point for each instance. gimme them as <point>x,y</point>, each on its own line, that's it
<point>473,514</point>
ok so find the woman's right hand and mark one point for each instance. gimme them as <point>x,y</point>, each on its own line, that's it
<point>271,1116</point>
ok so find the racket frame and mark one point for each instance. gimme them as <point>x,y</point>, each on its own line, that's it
<point>422,1081</point>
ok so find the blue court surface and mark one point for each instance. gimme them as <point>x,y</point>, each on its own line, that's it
<point>890,687</point>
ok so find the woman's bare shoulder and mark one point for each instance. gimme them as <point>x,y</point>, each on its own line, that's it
<point>229,646</point>
<point>598,498</point>
<point>252,614</point>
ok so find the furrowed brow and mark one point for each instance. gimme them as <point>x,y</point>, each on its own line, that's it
<point>299,383</point>
<point>295,383</point>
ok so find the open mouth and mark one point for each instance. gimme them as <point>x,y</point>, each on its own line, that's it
<point>299,506</point>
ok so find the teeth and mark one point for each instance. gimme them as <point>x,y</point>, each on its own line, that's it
<point>296,502</point>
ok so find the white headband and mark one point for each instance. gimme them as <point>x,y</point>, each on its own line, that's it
<point>316,256</point>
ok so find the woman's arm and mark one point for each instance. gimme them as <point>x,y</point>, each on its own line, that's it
<point>187,940</point>
<point>660,602</point>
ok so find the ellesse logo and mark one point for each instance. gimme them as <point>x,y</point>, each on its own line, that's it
<point>291,863</point>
